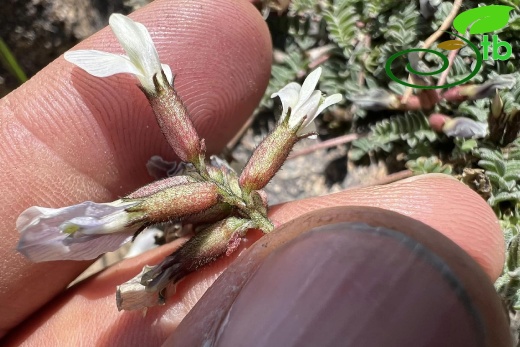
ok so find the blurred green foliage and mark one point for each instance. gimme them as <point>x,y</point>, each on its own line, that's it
<point>9,61</point>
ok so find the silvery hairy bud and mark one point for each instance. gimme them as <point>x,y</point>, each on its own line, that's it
<point>173,202</point>
<point>147,289</point>
<point>301,104</point>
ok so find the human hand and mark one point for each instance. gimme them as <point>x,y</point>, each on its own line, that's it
<point>69,137</point>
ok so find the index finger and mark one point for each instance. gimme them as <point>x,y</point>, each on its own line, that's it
<point>68,137</point>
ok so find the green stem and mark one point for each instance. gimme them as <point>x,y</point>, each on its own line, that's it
<point>244,204</point>
<point>263,223</point>
<point>10,62</point>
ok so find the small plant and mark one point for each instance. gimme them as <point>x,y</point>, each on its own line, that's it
<point>221,204</point>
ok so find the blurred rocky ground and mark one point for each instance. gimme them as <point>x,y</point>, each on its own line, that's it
<point>38,31</point>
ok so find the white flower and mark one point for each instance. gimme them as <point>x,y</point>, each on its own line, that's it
<point>132,295</point>
<point>146,240</point>
<point>141,60</point>
<point>304,101</point>
<point>376,99</point>
<point>465,128</point>
<point>77,232</point>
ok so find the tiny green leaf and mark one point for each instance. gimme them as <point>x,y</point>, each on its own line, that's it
<point>468,145</point>
<point>483,19</point>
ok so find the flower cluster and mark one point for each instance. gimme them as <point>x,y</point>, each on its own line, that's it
<point>208,194</point>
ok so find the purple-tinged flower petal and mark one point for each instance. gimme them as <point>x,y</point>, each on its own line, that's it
<point>488,89</point>
<point>51,244</point>
<point>77,232</point>
<point>465,128</point>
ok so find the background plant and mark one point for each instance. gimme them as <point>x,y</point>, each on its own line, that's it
<point>351,40</point>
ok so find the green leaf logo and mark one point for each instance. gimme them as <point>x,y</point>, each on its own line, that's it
<point>451,45</point>
<point>483,20</point>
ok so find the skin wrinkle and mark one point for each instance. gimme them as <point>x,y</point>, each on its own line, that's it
<point>48,194</point>
<point>107,120</point>
<point>22,135</point>
<point>54,192</point>
<point>105,116</point>
<point>117,156</point>
<point>66,152</point>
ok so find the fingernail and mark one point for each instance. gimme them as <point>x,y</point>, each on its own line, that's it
<point>349,284</point>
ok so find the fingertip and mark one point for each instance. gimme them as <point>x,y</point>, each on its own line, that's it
<point>459,213</point>
<point>349,282</point>
<point>436,200</point>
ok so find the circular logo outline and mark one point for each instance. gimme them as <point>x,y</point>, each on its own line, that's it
<point>388,66</point>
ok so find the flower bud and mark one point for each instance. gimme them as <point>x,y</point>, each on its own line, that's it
<point>503,126</point>
<point>174,121</point>
<point>497,105</point>
<point>206,246</point>
<point>480,91</point>
<point>268,158</point>
<point>513,127</point>
<point>157,186</point>
<point>213,214</point>
<point>175,202</point>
